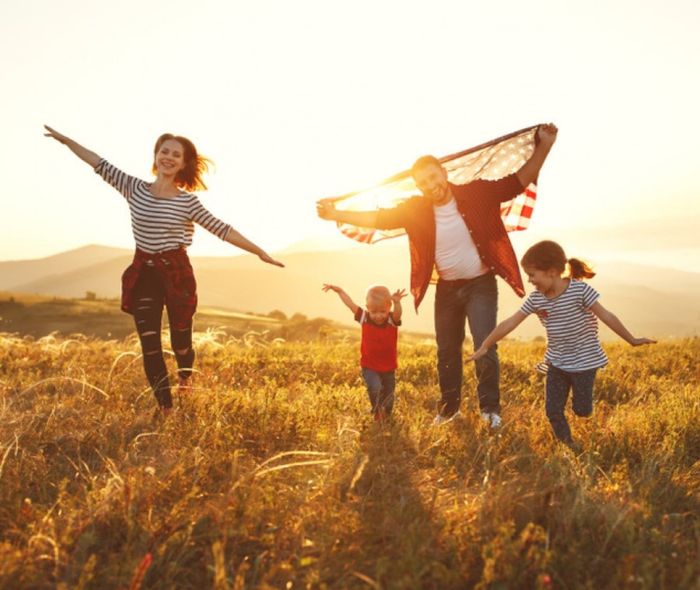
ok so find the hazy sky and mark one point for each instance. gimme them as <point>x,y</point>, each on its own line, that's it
<point>298,100</point>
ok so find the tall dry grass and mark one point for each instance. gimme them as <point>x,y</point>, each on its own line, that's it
<point>271,474</point>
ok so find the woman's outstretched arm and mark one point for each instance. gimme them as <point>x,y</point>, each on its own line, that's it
<point>238,240</point>
<point>83,153</point>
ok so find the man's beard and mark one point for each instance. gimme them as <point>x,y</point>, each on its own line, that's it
<point>438,194</point>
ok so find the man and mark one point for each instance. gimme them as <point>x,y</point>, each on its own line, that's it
<point>458,230</point>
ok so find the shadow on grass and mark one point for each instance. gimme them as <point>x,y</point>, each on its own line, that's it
<point>397,543</point>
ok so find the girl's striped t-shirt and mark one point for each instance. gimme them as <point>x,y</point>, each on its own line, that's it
<point>572,328</point>
<point>160,224</point>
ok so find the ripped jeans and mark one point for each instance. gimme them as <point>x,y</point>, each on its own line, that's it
<point>149,300</point>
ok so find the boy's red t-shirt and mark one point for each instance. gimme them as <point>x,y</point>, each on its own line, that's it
<point>378,348</point>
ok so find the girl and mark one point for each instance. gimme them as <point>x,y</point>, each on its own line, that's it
<point>567,308</point>
<point>379,339</point>
<point>163,213</point>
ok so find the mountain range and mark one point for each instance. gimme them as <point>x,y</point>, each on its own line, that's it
<point>651,301</point>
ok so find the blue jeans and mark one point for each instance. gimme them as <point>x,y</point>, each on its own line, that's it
<point>475,301</point>
<point>558,385</point>
<point>380,388</point>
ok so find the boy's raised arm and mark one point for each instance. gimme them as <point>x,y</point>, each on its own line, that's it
<point>398,310</point>
<point>344,297</point>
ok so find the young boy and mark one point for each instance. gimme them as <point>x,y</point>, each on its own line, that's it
<point>378,349</point>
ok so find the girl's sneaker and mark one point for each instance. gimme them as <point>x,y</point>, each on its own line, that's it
<point>492,419</point>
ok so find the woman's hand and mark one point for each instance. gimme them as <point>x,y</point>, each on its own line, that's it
<point>83,153</point>
<point>265,257</point>
<point>59,137</point>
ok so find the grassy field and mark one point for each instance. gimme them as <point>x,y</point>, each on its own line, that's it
<point>40,315</point>
<point>271,473</point>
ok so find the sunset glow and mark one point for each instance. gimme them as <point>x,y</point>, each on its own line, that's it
<point>296,102</point>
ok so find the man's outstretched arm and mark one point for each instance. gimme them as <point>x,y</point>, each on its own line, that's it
<point>380,219</point>
<point>547,135</point>
<point>327,210</point>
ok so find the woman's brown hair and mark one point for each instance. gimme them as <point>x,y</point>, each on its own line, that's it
<point>190,177</point>
<point>548,255</point>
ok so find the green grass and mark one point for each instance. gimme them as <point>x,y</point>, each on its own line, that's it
<point>271,474</point>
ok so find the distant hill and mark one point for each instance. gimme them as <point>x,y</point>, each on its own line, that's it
<point>19,272</point>
<point>651,301</point>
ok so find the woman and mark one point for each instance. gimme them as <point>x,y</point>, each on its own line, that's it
<point>163,213</point>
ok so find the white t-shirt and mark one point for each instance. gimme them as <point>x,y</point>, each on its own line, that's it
<point>572,328</point>
<point>456,256</point>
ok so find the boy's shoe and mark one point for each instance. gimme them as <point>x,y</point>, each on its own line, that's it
<point>492,419</point>
<point>444,417</point>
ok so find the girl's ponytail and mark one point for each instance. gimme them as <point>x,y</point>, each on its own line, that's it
<point>579,269</point>
<point>548,255</point>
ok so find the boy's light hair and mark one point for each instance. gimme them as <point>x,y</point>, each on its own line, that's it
<point>379,294</point>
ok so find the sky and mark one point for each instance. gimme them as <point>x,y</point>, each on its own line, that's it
<point>294,101</point>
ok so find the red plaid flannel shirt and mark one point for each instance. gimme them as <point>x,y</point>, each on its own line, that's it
<point>174,269</point>
<point>479,204</point>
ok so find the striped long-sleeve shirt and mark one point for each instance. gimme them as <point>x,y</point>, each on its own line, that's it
<point>160,224</point>
<point>572,328</point>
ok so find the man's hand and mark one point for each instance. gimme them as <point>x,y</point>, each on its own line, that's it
<point>326,210</point>
<point>326,287</point>
<point>547,134</point>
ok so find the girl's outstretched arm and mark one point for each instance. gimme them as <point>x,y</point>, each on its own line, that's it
<point>500,331</point>
<point>612,321</point>
<point>344,297</point>
<point>238,240</point>
<point>83,153</point>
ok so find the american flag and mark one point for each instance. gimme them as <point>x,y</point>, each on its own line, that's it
<point>490,161</point>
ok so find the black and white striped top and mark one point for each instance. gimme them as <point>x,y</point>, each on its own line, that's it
<point>160,224</point>
<point>572,328</point>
